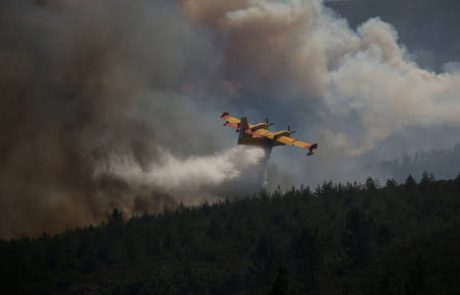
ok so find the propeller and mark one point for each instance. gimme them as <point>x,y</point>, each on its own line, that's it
<point>289,129</point>
<point>268,122</point>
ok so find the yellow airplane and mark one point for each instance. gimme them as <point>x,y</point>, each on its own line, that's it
<point>258,134</point>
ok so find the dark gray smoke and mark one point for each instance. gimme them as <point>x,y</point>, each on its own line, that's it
<point>69,79</point>
<point>114,104</point>
<point>86,85</point>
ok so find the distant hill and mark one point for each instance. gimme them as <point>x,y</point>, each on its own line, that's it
<point>441,163</point>
<point>334,239</point>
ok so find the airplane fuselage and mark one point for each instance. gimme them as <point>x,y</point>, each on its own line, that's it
<point>259,126</point>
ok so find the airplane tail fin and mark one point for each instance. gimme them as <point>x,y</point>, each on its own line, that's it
<point>311,149</point>
<point>243,126</point>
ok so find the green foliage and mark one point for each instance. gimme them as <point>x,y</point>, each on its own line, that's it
<point>336,239</point>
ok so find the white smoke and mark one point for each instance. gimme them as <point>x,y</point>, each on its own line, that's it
<point>195,179</point>
<point>359,87</point>
<point>376,82</point>
<point>352,89</point>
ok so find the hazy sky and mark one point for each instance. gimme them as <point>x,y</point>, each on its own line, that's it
<point>428,28</point>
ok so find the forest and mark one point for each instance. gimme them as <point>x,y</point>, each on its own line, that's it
<point>370,238</point>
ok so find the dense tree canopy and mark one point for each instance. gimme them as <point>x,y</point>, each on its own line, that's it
<point>333,239</point>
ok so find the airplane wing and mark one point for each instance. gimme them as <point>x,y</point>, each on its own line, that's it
<point>294,142</point>
<point>286,140</point>
<point>230,121</point>
<point>233,122</point>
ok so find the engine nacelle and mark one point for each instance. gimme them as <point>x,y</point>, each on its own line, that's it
<point>260,126</point>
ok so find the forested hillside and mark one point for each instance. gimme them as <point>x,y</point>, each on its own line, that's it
<point>442,163</point>
<point>335,239</point>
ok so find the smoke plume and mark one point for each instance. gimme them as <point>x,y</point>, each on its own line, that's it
<point>352,89</point>
<point>114,104</point>
<point>195,180</point>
